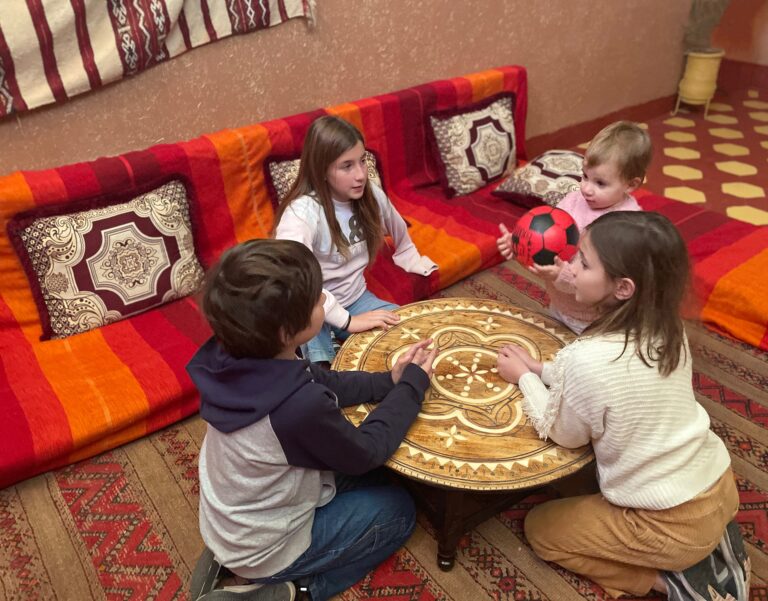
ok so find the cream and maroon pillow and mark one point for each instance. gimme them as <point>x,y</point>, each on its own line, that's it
<point>281,173</point>
<point>92,263</point>
<point>475,144</point>
<point>546,179</point>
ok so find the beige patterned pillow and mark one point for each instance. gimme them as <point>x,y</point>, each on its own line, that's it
<point>281,174</point>
<point>109,261</point>
<point>475,144</point>
<point>546,179</point>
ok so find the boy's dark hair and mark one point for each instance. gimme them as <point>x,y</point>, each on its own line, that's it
<point>258,293</point>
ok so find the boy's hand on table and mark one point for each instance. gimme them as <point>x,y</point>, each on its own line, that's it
<point>418,354</point>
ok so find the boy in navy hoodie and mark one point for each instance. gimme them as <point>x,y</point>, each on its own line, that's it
<point>282,492</point>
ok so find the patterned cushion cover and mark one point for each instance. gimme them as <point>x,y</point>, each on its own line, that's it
<point>281,173</point>
<point>475,144</point>
<point>106,262</point>
<point>546,179</point>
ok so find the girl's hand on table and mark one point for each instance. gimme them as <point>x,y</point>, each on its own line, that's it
<point>380,318</point>
<point>514,362</point>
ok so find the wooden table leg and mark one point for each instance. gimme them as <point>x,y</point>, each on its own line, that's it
<point>451,529</point>
<point>453,512</point>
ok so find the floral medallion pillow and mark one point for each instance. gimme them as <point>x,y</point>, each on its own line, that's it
<point>475,144</point>
<point>546,179</point>
<point>281,173</point>
<point>106,262</point>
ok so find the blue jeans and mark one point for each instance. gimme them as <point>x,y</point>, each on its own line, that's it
<point>320,348</point>
<point>367,521</point>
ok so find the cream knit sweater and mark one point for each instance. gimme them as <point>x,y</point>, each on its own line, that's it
<point>651,438</point>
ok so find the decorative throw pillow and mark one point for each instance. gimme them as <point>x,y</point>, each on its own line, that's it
<point>281,173</point>
<point>475,144</point>
<point>546,179</point>
<point>107,262</point>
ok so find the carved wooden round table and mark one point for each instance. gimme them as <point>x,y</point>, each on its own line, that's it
<point>470,453</point>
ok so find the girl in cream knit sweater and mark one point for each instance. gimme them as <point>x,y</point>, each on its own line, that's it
<point>666,488</point>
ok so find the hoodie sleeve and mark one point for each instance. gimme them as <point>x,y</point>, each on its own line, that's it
<point>354,387</point>
<point>314,433</point>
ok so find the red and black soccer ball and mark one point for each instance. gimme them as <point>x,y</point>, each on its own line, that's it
<point>544,233</point>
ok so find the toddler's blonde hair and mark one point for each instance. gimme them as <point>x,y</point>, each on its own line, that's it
<point>624,142</point>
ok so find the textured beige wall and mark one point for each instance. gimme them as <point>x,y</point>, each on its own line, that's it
<point>585,59</point>
<point>743,31</point>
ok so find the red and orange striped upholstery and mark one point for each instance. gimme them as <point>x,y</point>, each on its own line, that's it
<point>730,268</point>
<point>64,400</point>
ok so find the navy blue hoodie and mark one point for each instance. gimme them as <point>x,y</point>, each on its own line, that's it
<point>275,436</point>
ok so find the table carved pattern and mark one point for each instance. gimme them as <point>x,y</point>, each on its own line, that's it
<point>471,436</point>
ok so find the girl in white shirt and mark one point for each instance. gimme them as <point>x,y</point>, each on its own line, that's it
<point>336,211</point>
<point>667,492</point>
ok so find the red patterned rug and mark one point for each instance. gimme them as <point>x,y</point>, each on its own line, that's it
<point>123,526</point>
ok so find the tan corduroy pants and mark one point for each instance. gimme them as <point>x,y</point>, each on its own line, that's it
<point>623,549</point>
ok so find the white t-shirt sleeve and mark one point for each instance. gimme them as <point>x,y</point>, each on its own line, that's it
<point>299,222</point>
<point>406,255</point>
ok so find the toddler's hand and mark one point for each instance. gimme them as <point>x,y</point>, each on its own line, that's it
<point>380,318</point>
<point>418,354</point>
<point>548,272</point>
<point>505,242</point>
<point>531,363</point>
<point>511,366</point>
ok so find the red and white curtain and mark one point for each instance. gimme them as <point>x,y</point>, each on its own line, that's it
<point>51,50</point>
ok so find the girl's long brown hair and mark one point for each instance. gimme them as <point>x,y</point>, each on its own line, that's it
<point>327,139</point>
<point>648,249</point>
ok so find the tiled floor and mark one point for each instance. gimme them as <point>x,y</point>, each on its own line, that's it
<point>719,161</point>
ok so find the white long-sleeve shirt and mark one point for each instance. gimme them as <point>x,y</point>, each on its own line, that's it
<point>343,281</point>
<point>652,442</point>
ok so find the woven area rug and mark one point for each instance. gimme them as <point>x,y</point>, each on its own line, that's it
<point>123,525</point>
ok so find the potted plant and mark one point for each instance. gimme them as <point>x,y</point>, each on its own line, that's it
<point>702,64</point>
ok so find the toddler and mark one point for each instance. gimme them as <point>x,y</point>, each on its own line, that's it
<point>614,166</point>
